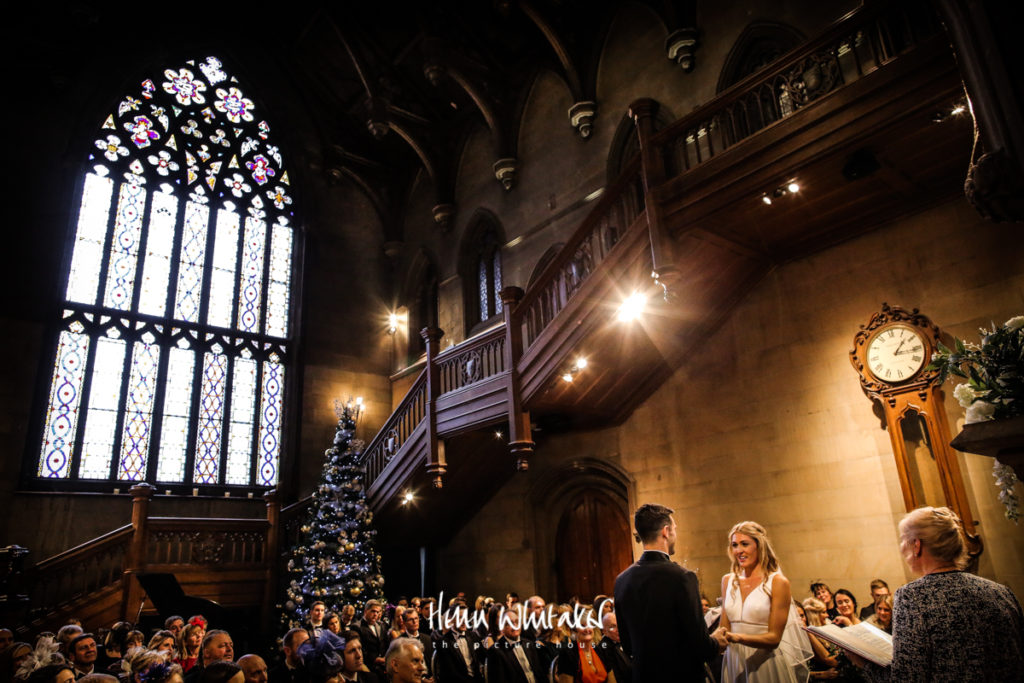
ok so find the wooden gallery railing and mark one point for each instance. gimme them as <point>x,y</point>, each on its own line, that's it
<point>197,548</point>
<point>863,41</point>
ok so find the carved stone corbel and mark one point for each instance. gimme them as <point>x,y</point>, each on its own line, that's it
<point>581,116</point>
<point>505,171</point>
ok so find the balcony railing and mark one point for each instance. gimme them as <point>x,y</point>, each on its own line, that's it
<point>860,43</point>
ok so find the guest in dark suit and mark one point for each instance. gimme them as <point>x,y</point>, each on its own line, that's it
<point>355,670</point>
<point>459,650</point>
<point>290,671</point>
<point>609,649</point>
<point>373,636</point>
<point>411,629</point>
<point>658,607</point>
<point>512,661</point>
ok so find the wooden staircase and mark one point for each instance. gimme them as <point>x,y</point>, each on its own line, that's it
<point>233,562</point>
<point>848,117</point>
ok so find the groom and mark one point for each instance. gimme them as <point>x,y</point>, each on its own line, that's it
<point>658,607</point>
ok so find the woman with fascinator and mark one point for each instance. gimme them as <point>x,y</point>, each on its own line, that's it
<point>766,644</point>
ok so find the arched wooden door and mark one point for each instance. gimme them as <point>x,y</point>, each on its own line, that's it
<point>592,546</point>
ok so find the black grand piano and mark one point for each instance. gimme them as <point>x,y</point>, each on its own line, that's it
<point>168,597</point>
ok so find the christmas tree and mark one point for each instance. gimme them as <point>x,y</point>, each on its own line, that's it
<point>335,560</point>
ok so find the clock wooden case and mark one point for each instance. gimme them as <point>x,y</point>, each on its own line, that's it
<point>891,353</point>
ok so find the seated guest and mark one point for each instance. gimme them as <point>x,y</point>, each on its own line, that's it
<point>948,625</point>
<point>509,660</point>
<point>65,634</point>
<point>6,638</point>
<point>348,615</point>
<point>189,640</point>
<point>411,629</point>
<point>82,654</point>
<point>373,635</point>
<point>216,647</point>
<point>580,662</point>
<point>609,649</point>
<point>882,616</point>
<point>878,589</point>
<point>823,664</point>
<point>846,605</point>
<point>174,624</point>
<point>822,592</point>
<point>43,655</point>
<point>253,668</point>
<point>332,623</point>
<point>139,661</point>
<point>222,671</point>
<point>458,650</point>
<point>52,673</point>
<point>396,622</point>
<point>353,668</point>
<point>315,623</point>
<point>404,661</point>
<point>532,612</point>
<point>290,670</point>
<point>115,645</point>
<point>549,640</point>
<point>11,659</point>
<point>163,641</point>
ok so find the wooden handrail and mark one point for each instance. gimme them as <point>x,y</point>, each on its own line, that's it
<point>857,44</point>
<point>80,553</point>
<point>605,202</point>
<point>396,429</point>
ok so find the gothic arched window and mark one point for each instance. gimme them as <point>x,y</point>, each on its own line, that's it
<point>170,357</point>
<point>481,270</point>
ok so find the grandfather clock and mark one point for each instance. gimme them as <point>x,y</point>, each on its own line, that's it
<point>891,354</point>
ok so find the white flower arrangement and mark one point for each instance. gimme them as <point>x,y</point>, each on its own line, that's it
<point>994,370</point>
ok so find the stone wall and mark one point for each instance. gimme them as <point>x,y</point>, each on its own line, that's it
<point>767,420</point>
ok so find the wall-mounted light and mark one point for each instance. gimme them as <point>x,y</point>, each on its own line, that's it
<point>407,498</point>
<point>392,323</point>
<point>632,307</point>
<point>953,112</point>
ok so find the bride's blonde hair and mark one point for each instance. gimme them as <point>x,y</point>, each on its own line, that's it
<point>766,559</point>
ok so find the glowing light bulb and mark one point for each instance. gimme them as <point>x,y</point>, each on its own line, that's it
<point>632,307</point>
<point>766,199</point>
<point>793,187</point>
<point>567,377</point>
<point>581,363</point>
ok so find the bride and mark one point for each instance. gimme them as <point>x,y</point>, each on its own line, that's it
<point>766,644</point>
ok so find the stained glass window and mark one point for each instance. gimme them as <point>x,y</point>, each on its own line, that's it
<point>488,267</point>
<point>170,355</point>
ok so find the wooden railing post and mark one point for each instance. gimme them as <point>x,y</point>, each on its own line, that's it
<point>652,173</point>
<point>436,464</point>
<point>520,439</point>
<point>271,555</point>
<point>135,561</point>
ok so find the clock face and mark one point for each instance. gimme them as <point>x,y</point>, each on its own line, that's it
<point>896,353</point>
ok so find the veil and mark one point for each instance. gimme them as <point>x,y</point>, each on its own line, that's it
<point>796,646</point>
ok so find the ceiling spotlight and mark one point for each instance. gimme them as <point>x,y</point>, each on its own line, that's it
<point>766,199</point>
<point>499,435</point>
<point>567,377</point>
<point>793,187</point>
<point>632,307</point>
<point>407,498</point>
<point>581,363</point>
<point>958,109</point>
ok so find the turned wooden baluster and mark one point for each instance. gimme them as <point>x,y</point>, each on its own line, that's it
<point>520,441</point>
<point>436,464</point>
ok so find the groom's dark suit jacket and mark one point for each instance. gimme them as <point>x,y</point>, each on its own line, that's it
<point>657,604</point>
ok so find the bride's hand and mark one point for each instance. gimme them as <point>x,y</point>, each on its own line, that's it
<point>732,637</point>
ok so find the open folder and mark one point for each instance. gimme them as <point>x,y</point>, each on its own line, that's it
<point>870,642</point>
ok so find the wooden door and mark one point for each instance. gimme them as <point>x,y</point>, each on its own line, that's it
<point>592,546</point>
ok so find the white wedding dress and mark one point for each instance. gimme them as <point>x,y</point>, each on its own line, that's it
<point>742,664</point>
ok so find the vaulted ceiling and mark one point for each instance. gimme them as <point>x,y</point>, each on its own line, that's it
<point>384,90</point>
